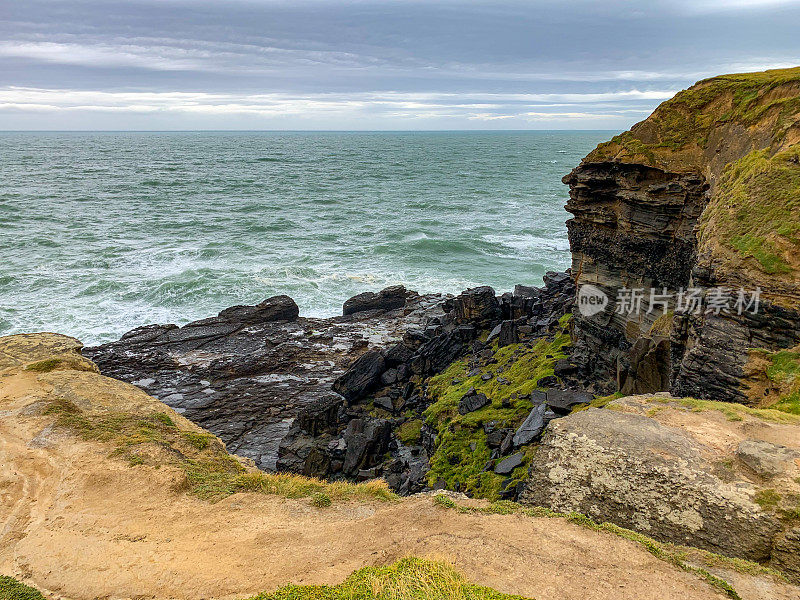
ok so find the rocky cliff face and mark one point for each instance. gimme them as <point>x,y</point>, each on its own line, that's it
<point>702,200</point>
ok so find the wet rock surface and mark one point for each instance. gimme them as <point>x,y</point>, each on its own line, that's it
<point>326,397</point>
<point>249,373</point>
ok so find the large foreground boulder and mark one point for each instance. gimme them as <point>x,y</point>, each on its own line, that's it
<point>677,471</point>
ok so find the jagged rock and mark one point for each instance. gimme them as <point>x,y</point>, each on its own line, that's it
<point>563,401</point>
<point>365,441</point>
<point>786,554</point>
<point>508,464</point>
<point>508,334</point>
<point>363,376</point>
<point>631,470</point>
<point>471,402</point>
<point>387,299</point>
<point>477,305</point>
<point>531,427</point>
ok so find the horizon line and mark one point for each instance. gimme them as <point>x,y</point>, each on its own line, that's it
<point>294,130</point>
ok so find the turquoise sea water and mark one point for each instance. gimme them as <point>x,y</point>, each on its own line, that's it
<point>102,232</point>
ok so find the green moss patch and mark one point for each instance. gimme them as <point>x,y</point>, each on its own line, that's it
<point>407,579</point>
<point>784,370</point>
<point>410,432</point>
<point>11,589</point>
<point>462,457</point>
<point>211,473</point>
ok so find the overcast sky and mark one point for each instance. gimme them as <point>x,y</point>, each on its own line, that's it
<point>391,64</point>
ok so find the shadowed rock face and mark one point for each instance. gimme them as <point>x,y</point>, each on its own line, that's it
<point>698,195</point>
<point>246,374</point>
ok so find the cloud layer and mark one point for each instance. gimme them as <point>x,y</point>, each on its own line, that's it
<point>401,64</point>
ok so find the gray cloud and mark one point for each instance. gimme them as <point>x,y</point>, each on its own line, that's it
<point>372,64</point>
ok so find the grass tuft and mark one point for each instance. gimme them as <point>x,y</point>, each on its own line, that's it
<point>11,589</point>
<point>407,579</point>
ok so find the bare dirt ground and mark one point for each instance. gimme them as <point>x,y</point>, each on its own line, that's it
<point>80,525</point>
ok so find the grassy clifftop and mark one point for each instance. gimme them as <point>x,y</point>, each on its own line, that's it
<point>761,110</point>
<point>742,132</point>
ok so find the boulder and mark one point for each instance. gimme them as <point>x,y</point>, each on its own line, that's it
<point>477,305</point>
<point>362,377</point>
<point>532,427</point>
<point>277,308</point>
<point>631,470</point>
<point>563,401</point>
<point>766,459</point>
<point>389,298</point>
<point>472,401</point>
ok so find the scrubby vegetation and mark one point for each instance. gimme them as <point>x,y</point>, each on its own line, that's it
<point>11,589</point>
<point>756,210</point>
<point>407,579</point>
<point>682,557</point>
<point>689,117</point>
<point>784,372</point>
<point>462,458</point>
<point>211,473</point>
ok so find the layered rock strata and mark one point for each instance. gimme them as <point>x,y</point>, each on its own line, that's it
<point>702,198</point>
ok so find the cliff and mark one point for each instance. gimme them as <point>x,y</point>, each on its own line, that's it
<point>703,195</point>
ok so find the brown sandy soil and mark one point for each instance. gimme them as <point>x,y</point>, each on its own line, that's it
<point>80,525</point>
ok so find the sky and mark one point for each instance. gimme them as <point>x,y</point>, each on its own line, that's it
<point>372,64</point>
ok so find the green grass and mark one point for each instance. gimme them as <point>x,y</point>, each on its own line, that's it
<point>462,452</point>
<point>784,370</point>
<point>211,473</point>
<point>690,116</point>
<point>407,579</point>
<point>756,210</point>
<point>410,432</point>
<point>11,589</point>
<point>674,555</point>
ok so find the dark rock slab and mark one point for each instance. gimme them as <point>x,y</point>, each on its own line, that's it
<point>508,464</point>
<point>532,427</point>
<point>472,401</point>
<point>363,376</point>
<point>387,299</point>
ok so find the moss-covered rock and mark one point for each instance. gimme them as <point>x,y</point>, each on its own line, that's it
<point>463,458</point>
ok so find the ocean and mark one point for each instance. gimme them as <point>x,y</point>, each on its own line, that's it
<point>106,231</point>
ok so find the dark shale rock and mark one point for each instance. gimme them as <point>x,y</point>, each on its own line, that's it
<point>362,377</point>
<point>477,305</point>
<point>365,441</point>
<point>563,401</point>
<point>532,427</point>
<point>471,402</point>
<point>247,374</point>
<point>508,464</point>
<point>387,299</point>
